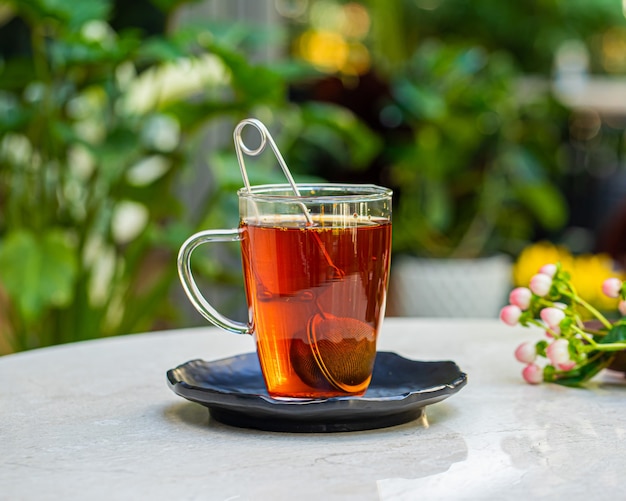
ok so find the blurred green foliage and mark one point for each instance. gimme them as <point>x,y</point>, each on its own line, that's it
<point>104,106</point>
<point>98,129</point>
<point>531,32</point>
<point>476,153</point>
<point>475,165</point>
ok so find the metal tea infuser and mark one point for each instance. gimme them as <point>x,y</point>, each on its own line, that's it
<point>346,370</point>
<point>266,137</point>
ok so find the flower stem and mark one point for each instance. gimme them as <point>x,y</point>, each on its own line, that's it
<point>607,347</point>
<point>543,326</point>
<point>586,336</point>
<point>591,309</point>
<point>593,346</point>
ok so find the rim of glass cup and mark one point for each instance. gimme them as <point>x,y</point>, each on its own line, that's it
<point>328,192</point>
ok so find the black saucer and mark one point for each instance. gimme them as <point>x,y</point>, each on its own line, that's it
<point>234,391</point>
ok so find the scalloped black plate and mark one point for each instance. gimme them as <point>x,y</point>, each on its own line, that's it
<point>234,391</point>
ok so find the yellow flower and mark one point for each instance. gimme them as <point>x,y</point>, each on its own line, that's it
<point>534,257</point>
<point>588,271</point>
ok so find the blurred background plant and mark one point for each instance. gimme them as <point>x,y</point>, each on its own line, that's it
<point>475,168</point>
<point>93,135</point>
<point>480,152</point>
<point>491,140</point>
<point>532,32</point>
<point>101,120</point>
<point>115,123</point>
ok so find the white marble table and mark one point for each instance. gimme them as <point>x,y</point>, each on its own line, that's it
<point>96,421</point>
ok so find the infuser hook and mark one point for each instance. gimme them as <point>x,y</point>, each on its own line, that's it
<point>266,137</point>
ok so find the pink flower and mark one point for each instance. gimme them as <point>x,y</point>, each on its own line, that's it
<point>510,314</point>
<point>532,374</point>
<point>526,353</point>
<point>552,316</point>
<point>558,352</point>
<point>540,284</point>
<point>548,269</point>
<point>521,297</point>
<point>621,306</point>
<point>567,366</point>
<point>612,287</point>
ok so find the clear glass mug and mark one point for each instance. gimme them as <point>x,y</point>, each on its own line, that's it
<point>316,268</point>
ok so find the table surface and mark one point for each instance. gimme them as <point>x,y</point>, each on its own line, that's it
<point>96,420</point>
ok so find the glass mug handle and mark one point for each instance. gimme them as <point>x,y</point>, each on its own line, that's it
<point>189,284</point>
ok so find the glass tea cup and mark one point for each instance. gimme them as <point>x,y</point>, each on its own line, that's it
<point>315,268</point>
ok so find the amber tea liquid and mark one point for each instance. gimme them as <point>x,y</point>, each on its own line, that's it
<point>316,296</point>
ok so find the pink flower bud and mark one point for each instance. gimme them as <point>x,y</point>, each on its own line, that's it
<point>548,269</point>
<point>567,366</point>
<point>612,287</point>
<point>552,316</point>
<point>540,284</point>
<point>521,296</point>
<point>621,306</point>
<point>526,353</point>
<point>532,374</point>
<point>510,314</point>
<point>558,352</point>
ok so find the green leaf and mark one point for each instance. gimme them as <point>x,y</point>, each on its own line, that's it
<point>119,150</point>
<point>546,202</point>
<point>192,114</point>
<point>533,189</point>
<point>437,205</point>
<point>264,170</point>
<point>168,6</point>
<point>72,14</point>
<point>541,347</point>
<point>548,373</point>
<point>340,128</point>
<point>161,49</point>
<point>38,271</point>
<point>617,334</point>
<point>17,73</point>
<point>74,51</point>
<point>294,71</point>
<point>13,116</point>
<point>253,83</point>
<point>421,103</point>
<point>580,375</point>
